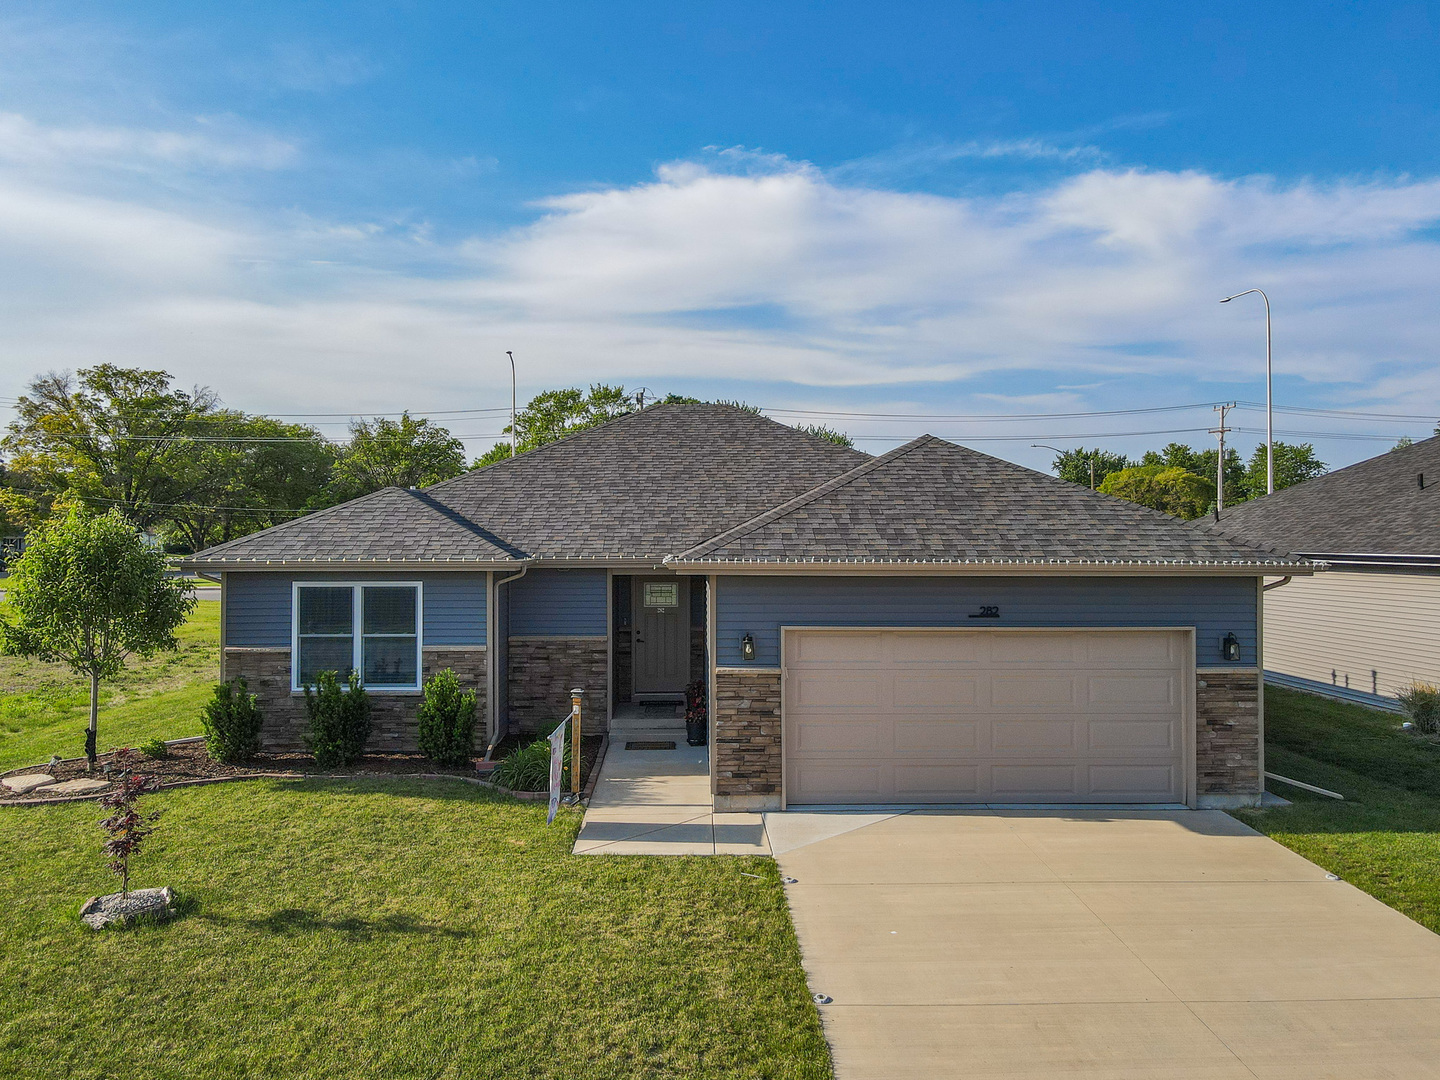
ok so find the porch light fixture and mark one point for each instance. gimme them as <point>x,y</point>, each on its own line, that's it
<point>747,648</point>
<point>1231,648</point>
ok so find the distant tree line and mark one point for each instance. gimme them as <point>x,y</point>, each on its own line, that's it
<point>1181,480</point>
<point>194,472</point>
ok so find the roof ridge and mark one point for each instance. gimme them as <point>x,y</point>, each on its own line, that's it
<point>759,521</point>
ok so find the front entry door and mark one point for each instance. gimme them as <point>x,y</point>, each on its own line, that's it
<point>661,621</point>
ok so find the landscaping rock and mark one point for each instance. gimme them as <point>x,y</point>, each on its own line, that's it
<point>77,787</point>
<point>29,782</point>
<point>100,911</point>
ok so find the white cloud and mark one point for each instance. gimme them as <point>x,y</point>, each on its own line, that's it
<point>754,270</point>
<point>212,144</point>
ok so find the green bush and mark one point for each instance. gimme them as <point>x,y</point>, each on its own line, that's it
<point>155,748</point>
<point>339,720</point>
<point>528,767</point>
<point>1421,702</point>
<point>447,720</point>
<point>231,721</point>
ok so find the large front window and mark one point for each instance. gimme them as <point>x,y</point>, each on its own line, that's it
<point>373,629</point>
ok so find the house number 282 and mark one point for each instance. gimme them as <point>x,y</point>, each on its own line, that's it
<point>987,611</point>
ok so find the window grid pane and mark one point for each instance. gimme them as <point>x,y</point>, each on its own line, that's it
<point>390,610</point>
<point>326,610</point>
<point>334,652</point>
<point>389,660</point>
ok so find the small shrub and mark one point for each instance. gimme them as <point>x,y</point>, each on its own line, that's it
<point>339,720</point>
<point>127,827</point>
<point>155,749</point>
<point>447,720</point>
<point>528,767</point>
<point>1421,702</point>
<point>232,723</point>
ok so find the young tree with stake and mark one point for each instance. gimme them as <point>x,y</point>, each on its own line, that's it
<point>89,593</point>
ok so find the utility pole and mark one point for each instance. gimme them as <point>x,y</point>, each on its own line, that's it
<point>1220,461</point>
<point>514,433</point>
<point>1092,472</point>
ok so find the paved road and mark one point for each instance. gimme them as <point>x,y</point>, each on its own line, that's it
<point>1090,944</point>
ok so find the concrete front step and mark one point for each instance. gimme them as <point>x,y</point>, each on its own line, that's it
<point>648,731</point>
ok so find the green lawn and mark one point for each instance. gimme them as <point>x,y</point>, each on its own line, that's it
<point>421,929</point>
<point>1385,837</point>
<point>44,708</point>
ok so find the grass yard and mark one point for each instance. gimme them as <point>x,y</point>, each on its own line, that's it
<point>1385,837</point>
<point>44,708</point>
<point>422,929</point>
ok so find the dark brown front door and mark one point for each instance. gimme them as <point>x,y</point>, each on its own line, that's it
<point>660,615</point>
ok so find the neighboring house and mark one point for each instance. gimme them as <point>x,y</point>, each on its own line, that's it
<point>1369,625</point>
<point>929,625</point>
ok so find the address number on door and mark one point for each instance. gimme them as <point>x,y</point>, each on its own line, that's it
<point>987,611</point>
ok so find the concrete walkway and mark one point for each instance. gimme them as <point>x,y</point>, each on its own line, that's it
<point>657,802</point>
<point>1091,944</point>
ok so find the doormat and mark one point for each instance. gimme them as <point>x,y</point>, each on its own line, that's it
<point>649,746</point>
<point>663,709</point>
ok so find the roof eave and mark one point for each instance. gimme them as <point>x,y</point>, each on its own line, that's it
<point>1000,567</point>
<point>347,563</point>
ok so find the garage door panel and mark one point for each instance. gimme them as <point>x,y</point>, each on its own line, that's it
<point>1131,649</point>
<point>1034,783</point>
<point>1009,649</point>
<point>1034,689</point>
<point>985,716</point>
<point>1033,733</point>
<point>922,783</point>
<point>803,648</point>
<point>838,690</point>
<point>1130,688</point>
<point>1132,783</point>
<point>935,690</point>
<point>945,733</point>
<point>1130,736</point>
<point>838,736</point>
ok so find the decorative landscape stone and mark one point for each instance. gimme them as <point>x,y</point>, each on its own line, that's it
<point>28,782</point>
<point>79,786</point>
<point>100,911</point>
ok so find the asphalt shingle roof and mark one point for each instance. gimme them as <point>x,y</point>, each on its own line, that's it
<point>641,487</point>
<point>1375,507</point>
<point>931,501</point>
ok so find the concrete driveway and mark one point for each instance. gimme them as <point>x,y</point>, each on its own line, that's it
<point>1099,944</point>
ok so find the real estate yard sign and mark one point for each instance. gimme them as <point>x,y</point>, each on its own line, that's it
<point>557,760</point>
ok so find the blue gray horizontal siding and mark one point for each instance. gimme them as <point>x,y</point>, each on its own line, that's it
<point>257,606</point>
<point>558,603</point>
<point>760,605</point>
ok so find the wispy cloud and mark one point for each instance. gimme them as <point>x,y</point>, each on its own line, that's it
<point>208,143</point>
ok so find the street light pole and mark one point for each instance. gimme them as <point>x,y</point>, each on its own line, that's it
<point>1269,396</point>
<point>1047,446</point>
<point>514,442</point>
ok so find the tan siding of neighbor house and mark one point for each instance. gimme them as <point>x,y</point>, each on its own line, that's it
<point>1378,630</point>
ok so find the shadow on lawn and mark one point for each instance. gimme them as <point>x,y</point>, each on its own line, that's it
<point>399,786</point>
<point>289,922</point>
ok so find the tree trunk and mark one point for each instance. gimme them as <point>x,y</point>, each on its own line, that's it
<point>94,720</point>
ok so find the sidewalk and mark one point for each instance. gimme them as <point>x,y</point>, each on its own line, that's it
<point>657,802</point>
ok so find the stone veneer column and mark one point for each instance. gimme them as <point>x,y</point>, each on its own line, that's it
<point>746,752</point>
<point>395,726</point>
<point>542,673</point>
<point>1227,737</point>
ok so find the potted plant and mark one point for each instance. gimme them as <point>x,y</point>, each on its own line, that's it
<point>697,720</point>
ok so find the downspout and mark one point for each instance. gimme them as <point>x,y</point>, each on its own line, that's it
<point>1276,584</point>
<point>492,651</point>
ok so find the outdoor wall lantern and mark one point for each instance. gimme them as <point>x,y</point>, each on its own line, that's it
<point>747,648</point>
<point>1231,648</point>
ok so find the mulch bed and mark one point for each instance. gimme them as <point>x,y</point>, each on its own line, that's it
<point>188,763</point>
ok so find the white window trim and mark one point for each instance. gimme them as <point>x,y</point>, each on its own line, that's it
<point>357,630</point>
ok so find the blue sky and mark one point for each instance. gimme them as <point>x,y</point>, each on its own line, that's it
<point>926,211</point>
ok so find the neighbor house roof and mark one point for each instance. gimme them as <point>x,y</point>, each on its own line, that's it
<point>1384,509</point>
<point>932,502</point>
<point>638,488</point>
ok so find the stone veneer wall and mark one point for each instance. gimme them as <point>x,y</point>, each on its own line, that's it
<point>394,729</point>
<point>746,751</point>
<point>1227,737</point>
<point>544,670</point>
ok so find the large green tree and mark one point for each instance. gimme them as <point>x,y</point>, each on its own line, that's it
<point>1163,487</point>
<point>400,453</point>
<point>120,437</point>
<point>89,592</point>
<point>1294,464</point>
<point>1202,462</point>
<point>1074,465</point>
<point>553,415</point>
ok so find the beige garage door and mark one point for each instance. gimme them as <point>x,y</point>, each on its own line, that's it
<point>985,716</point>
